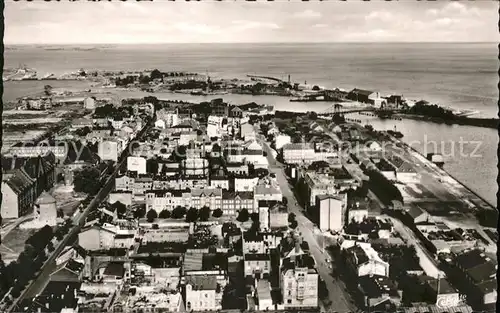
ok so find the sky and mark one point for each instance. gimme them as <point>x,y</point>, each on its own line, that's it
<point>162,21</point>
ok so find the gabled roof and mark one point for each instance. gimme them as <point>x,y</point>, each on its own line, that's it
<point>114,269</point>
<point>416,211</point>
<point>199,282</point>
<point>19,181</point>
<point>361,92</point>
<point>68,271</point>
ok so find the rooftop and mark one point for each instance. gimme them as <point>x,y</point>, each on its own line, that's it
<point>377,286</point>
<point>198,282</point>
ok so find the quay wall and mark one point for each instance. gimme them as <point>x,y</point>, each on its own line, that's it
<point>415,151</point>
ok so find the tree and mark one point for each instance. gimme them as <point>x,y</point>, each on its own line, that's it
<point>204,213</point>
<point>156,74</point>
<point>47,89</point>
<point>164,214</point>
<point>217,213</point>
<point>315,88</point>
<point>152,166</point>
<point>151,215</point>
<point>179,212</point>
<point>87,180</point>
<point>50,246</point>
<point>60,213</point>
<point>140,212</point>
<point>192,215</point>
<point>120,208</point>
<point>243,216</point>
<point>82,132</point>
<point>292,222</point>
<point>313,115</point>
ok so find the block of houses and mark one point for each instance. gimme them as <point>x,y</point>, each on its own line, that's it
<point>363,260</point>
<point>299,282</point>
<point>379,293</point>
<point>23,181</point>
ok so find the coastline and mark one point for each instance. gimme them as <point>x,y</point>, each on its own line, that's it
<point>443,171</point>
<point>465,121</point>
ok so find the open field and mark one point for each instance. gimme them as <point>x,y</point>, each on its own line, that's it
<point>44,120</point>
<point>13,243</point>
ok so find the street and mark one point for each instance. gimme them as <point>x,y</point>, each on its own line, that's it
<point>336,294</point>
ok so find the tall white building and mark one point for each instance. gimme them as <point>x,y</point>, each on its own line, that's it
<point>331,212</point>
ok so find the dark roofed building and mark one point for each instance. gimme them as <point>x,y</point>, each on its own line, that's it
<point>359,95</point>
<point>378,290</point>
<point>54,297</point>
<point>23,181</point>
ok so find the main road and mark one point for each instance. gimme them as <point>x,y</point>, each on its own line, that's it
<point>340,299</point>
<point>41,280</point>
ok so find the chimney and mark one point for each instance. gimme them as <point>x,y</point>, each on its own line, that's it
<point>297,247</point>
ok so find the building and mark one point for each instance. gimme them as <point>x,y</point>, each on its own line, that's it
<point>280,140</point>
<point>272,215</point>
<point>247,131</point>
<point>363,260</point>
<point>360,95</point>
<point>214,126</point>
<point>257,265</point>
<point>318,184</point>
<point>474,273</point>
<point>263,294</point>
<point>160,200</point>
<point>298,153</point>
<point>23,181</point>
<point>137,164</point>
<point>110,150</point>
<point>45,212</point>
<point>219,108</point>
<point>267,188</point>
<point>97,238</point>
<point>89,103</point>
<point>169,118</point>
<point>233,202</point>
<point>299,282</point>
<point>245,182</point>
<point>379,293</point>
<point>202,293</point>
<point>195,166</point>
<point>331,212</point>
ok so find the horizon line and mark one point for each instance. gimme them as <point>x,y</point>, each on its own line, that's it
<point>258,42</point>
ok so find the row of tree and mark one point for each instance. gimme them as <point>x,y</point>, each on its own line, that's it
<point>17,274</point>
<point>179,212</point>
<point>383,188</point>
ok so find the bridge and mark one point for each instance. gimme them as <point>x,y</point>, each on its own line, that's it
<point>340,109</point>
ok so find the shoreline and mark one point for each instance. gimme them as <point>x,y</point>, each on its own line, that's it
<point>463,121</point>
<point>455,180</point>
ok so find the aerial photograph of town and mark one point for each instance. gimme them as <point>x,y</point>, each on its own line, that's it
<point>240,156</point>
